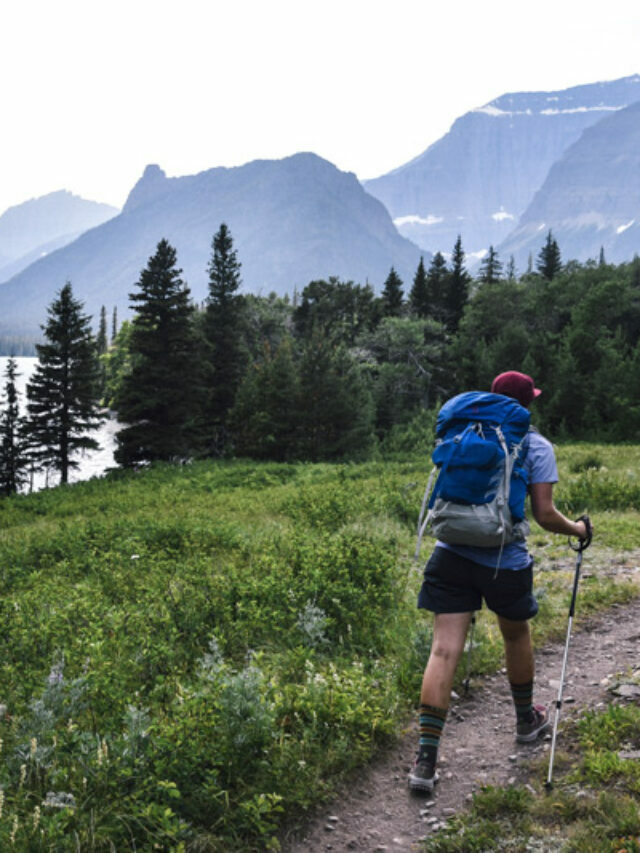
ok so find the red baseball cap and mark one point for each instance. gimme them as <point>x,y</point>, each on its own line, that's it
<point>517,385</point>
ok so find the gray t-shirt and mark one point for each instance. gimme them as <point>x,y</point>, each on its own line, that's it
<point>540,465</point>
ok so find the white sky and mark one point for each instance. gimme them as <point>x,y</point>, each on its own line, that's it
<point>94,91</point>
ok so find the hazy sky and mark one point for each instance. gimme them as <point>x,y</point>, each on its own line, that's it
<point>94,90</point>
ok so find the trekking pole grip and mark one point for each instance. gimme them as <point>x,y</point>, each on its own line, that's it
<point>583,544</point>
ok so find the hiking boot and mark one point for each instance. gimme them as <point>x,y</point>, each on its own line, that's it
<point>423,775</point>
<point>528,732</point>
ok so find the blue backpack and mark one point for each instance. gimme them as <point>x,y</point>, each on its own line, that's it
<point>478,497</point>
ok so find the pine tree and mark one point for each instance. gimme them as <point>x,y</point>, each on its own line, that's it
<point>265,415</point>
<point>437,275</point>
<point>158,397</point>
<point>419,295</point>
<point>14,459</point>
<point>114,324</point>
<point>63,392</point>
<point>511,269</point>
<point>491,267</point>
<point>101,340</point>
<point>549,262</point>
<point>335,406</point>
<point>601,260</point>
<point>457,288</point>
<point>391,300</point>
<point>223,325</point>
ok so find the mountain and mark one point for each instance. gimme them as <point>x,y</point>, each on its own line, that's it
<point>479,178</point>
<point>590,198</point>
<point>292,221</point>
<point>41,225</point>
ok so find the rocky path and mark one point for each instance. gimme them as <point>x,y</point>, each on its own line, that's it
<point>378,813</point>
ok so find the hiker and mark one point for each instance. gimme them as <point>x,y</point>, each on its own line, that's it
<point>458,577</point>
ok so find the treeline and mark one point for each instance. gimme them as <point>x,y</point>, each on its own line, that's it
<point>334,373</point>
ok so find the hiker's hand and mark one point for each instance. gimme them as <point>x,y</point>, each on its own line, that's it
<point>584,531</point>
<point>581,530</point>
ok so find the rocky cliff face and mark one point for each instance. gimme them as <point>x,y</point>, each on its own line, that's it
<point>292,221</point>
<point>590,198</point>
<point>481,176</point>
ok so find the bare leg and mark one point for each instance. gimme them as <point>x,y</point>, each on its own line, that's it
<point>449,634</point>
<point>518,650</point>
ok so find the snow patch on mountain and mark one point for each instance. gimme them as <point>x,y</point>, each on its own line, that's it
<point>414,219</point>
<point>501,215</point>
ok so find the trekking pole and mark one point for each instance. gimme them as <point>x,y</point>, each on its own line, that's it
<point>582,545</point>
<point>469,650</point>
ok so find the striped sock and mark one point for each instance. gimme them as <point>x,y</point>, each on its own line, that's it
<point>431,725</point>
<point>523,700</point>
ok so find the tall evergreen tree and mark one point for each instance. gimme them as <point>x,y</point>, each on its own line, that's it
<point>14,459</point>
<point>437,276</point>
<point>601,259</point>
<point>158,397</point>
<point>223,325</point>
<point>63,392</point>
<point>457,288</point>
<point>549,262</point>
<point>101,340</point>
<point>114,323</point>
<point>265,415</point>
<point>491,267</point>
<point>511,269</point>
<point>335,406</point>
<point>391,299</point>
<point>419,295</point>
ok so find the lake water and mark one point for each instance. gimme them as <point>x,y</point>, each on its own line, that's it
<point>92,464</point>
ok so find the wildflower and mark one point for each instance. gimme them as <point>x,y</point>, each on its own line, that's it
<point>59,800</point>
<point>1,800</point>
<point>34,747</point>
<point>14,830</point>
<point>56,675</point>
<point>23,774</point>
<point>36,817</point>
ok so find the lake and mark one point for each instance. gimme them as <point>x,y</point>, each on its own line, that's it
<point>92,464</point>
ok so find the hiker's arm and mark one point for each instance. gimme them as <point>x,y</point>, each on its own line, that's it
<point>548,517</point>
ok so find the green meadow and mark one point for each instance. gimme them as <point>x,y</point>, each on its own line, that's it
<point>192,657</point>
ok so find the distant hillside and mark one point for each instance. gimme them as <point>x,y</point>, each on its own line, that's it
<point>479,178</point>
<point>39,226</point>
<point>591,197</point>
<point>292,220</point>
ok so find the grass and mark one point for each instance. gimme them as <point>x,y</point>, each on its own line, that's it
<point>192,655</point>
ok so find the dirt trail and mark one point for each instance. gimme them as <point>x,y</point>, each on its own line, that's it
<point>378,813</point>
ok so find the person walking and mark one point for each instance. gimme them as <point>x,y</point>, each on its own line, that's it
<point>457,578</point>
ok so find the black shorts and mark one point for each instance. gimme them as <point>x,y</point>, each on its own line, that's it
<point>454,584</point>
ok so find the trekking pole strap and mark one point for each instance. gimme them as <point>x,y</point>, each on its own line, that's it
<point>583,544</point>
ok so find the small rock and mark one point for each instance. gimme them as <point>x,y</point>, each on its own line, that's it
<point>631,755</point>
<point>454,696</point>
<point>513,758</point>
<point>511,781</point>
<point>448,812</point>
<point>333,818</point>
<point>627,691</point>
<point>329,827</point>
<point>569,699</point>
